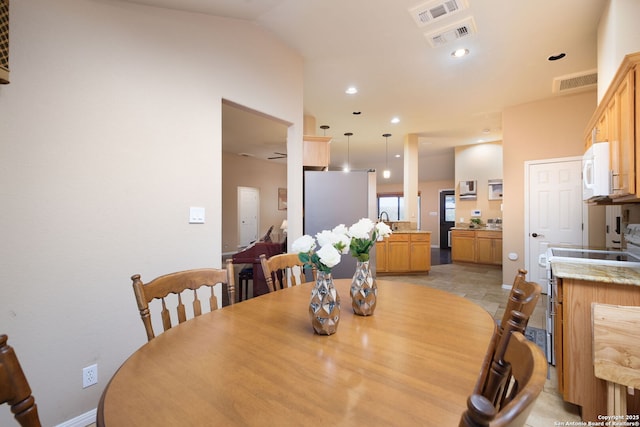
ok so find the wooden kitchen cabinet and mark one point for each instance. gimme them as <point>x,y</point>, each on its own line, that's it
<point>573,341</point>
<point>476,246</point>
<point>617,120</point>
<point>404,253</point>
<point>489,247</point>
<point>316,152</point>
<point>463,245</point>
<point>420,252</point>
<point>398,253</point>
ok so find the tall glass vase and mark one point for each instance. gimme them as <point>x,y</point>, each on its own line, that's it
<point>324,308</point>
<point>364,291</point>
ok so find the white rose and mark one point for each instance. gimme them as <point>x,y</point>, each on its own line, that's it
<point>325,237</point>
<point>340,229</point>
<point>361,229</point>
<point>383,230</point>
<point>329,255</point>
<point>303,244</point>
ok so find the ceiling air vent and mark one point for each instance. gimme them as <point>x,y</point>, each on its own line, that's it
<point>575,82</point>
<point>452,33</point>
<point>435,10</point>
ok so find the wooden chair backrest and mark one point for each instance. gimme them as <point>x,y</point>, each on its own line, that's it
<point>527,375</point>
<point>279,271</point>
<point>494,374</point>
<point>14,388</point>
<point>523,297</point>
<point>176,283</point>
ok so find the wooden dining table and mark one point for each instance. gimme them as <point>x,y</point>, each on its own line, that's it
<point>413,362</point>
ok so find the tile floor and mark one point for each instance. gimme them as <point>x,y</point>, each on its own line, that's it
<point>483,285</point>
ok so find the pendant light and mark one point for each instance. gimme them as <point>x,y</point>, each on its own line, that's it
<point>324,129</point>
<point>386,174</point>
<point>348,165</point>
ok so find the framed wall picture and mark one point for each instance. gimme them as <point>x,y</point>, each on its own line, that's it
<point>282,199</point>
<point>495,189</point>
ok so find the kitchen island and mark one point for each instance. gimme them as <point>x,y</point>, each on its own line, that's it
<point>404,251</point>
<point>577,286</point>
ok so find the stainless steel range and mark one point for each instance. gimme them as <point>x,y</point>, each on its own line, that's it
<point>630,257</point>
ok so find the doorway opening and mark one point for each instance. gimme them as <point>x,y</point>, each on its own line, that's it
<point>447,217</point>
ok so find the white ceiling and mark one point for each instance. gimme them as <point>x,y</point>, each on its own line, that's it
<point>377,46</point>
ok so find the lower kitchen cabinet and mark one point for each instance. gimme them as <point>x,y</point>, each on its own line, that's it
<point>489,247</point>
<point>404,253</point>
<point>476,246</point>
<point>573,342</point>
<point>463,245</point>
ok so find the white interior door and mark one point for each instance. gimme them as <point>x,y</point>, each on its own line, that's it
<point>248,215</point>
<point>554,209</point>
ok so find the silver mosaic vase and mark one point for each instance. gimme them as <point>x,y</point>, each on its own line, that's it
<point>364,291</point>
<point>324,307</point>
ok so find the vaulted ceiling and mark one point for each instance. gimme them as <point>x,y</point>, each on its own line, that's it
<point>403,67</point>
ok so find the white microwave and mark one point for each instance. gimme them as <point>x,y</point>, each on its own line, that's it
<point>596,175</point>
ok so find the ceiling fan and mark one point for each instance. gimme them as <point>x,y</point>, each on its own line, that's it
<point>278,156</point>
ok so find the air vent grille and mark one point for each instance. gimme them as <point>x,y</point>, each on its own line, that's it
<point>452,33</point>
<point>575,82</point>
<point>436,10</point>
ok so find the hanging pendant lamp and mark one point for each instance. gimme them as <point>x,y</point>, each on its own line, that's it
<point>347,167</point>
<point>386,174</point>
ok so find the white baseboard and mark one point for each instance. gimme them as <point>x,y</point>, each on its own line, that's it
<point>82,420</point>
<point>505,286</point>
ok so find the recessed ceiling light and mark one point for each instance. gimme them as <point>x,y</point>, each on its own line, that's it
<point>556,57</point>
<point>351,90</point>
<point>395,120</point>
<point>397,156</point>
<point>459,53</point>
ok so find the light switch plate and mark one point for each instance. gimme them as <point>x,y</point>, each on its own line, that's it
<point>196,215</point>
<point>476,212</point>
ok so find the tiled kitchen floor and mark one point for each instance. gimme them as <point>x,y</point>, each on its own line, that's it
<point>483,285</point>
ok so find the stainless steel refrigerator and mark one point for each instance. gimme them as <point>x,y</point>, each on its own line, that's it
<point>336,197</point>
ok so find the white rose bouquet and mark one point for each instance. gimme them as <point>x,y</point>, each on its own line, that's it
<point>364,234</point>
<point>332,245</point>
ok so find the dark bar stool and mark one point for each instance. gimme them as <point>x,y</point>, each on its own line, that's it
<point>244,276</point>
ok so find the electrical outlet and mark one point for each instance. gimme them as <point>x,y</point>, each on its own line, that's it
<point>89,376</point>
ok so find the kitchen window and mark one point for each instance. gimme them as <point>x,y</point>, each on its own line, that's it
<point>393,205</point>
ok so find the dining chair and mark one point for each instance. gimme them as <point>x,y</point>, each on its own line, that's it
<point>520,306</point>
<point>527,373</point>
<point>283,269</point>
<point>180,283</point>
<point>494,371</point>
<point>523,297</point>
<point>14,387</point>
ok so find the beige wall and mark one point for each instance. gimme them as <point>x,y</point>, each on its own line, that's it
<point>267,177</point>
<point>618,35</point>
<point>430,203</point>
<point>551,128</point>
<point>109,131</point>
<point>480,163</point>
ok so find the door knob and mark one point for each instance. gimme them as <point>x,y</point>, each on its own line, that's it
<point>536,235</point>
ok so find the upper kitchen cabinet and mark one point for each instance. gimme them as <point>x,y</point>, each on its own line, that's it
<point>617,120</point>
<point>315,152</point>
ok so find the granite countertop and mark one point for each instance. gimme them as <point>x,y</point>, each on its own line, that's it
<point>481,228</point>
<point>597,273</point>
